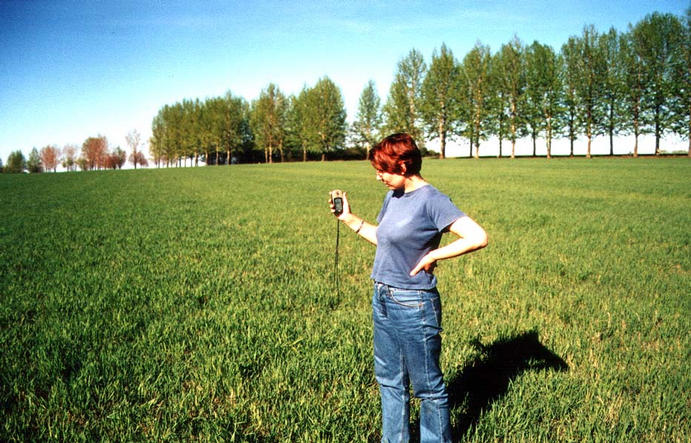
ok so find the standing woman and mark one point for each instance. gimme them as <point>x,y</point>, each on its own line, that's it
<point>406,304</point>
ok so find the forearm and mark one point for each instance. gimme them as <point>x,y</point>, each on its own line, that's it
<point>361,227</point>
<point>458,247</point>
<point>471,237</point>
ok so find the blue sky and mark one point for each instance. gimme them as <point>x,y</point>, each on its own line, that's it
<point>74,69</point>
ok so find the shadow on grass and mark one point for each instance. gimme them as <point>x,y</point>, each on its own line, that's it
<point>487,378</point>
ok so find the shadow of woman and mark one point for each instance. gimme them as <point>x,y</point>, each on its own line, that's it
<point>486,379</point>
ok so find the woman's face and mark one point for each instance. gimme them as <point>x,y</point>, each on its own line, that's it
<point>392,181</point>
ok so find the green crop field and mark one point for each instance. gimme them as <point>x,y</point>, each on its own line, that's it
<point>199,304</point>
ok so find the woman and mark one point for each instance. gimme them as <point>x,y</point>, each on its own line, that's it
<point>406,304</point>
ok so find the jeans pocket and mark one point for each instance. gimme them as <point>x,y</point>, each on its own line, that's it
<point>407,298</point>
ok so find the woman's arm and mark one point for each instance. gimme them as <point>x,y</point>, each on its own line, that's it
<point>365,230</point>
<point>471,238</point>
<point>361,227</point>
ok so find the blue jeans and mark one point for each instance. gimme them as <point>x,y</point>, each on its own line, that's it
<point>407,324</point>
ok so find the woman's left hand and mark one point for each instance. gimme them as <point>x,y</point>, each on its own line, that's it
<point>471,238</point>
<point>428,263</point>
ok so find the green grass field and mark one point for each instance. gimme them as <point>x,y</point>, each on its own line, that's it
<point>184,304</point>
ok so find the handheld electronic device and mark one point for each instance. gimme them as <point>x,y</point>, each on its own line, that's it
<point>337,200</point>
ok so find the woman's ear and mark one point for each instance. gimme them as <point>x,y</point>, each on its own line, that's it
<point>403,168</point>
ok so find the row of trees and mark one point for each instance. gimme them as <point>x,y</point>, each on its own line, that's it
<point>95,154</point>
<point>613,83</point>
<point>274,126</point>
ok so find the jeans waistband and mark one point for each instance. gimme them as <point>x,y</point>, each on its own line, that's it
<point>387,286</point>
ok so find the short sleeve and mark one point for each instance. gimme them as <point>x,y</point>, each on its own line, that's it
<point>442,211</point>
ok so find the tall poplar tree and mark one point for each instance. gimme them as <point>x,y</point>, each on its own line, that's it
<point>327,115</point>
<point>156,140</point>
<point>511,76</point>
<point>190,131</point>
<point>659,42</point>
<point>475,92</point>
<point>268,121</point>
<point>613,87</point>
<point>591,72</point>
<point>235,124</point>
<point>440,97</point>
<point>682,81</point>
<point>300,132</point>
<point>367,125</point>
<point>204,123</point>
<point>532,111</point>
<point>402,107</point>
<point>214,125</point>
<point>498,102</point>
<point>570,59</point>
<point>543,93</point>
<point>634,83</point>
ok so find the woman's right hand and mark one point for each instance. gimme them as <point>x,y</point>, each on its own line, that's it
<point>346,206</point>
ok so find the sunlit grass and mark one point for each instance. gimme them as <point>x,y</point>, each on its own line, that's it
<point>200,303</point>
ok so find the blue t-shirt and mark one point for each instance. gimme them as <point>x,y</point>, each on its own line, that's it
<point>410,225</point>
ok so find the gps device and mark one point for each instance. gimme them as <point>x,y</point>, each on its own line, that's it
<point>337,200</point>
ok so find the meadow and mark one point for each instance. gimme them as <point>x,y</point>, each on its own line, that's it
<point>200,304</point>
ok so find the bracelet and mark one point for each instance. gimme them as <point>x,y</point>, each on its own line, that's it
<point>362,222</point>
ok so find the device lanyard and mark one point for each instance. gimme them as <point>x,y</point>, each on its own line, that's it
<point>338,236</point>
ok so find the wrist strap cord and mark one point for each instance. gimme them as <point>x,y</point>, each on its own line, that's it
<point>338,235</point>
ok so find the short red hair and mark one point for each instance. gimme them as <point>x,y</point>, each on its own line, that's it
<point>394,151</point>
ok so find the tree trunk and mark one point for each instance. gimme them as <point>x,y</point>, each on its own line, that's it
<point>589,130</point>
<point>442,140</point>
<point>572,131</point>
<point>635,132</point>
<point>501,131</point>
<point>657,130</point>
<point>513,130</point>
<point>611,131</point>
<point>590,137</point>
<point>549,137</point>
<point>304,154</point>
<point>477,137</point>
<point>588,153</point>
